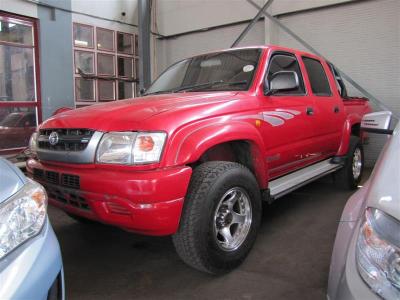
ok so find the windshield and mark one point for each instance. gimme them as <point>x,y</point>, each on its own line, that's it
<point>228,70</point>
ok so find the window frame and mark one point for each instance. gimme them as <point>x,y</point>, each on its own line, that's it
<point>133,66</point>
<point>98,90</point>
<point>37,103</point>
<point>97,65</point>
<point>113,42</point>
<point>308,76</point>
<point>96,51</point>
<point>132,43</point>
<point>73,36</point>
<point>301,78</point>
<point>85,100</point>
<point>94,60</point>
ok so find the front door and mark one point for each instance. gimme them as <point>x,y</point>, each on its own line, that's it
<point>289,142</point>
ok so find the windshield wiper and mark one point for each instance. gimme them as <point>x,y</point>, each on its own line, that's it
<point>209,84</point>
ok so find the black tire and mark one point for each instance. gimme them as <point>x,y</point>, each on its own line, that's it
<point>345,177</point>
<point>196,241</point>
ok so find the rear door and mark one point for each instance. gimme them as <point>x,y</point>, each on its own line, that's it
<point>328,115</point>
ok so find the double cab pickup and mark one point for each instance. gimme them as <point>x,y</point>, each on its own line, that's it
<point>198,152</point>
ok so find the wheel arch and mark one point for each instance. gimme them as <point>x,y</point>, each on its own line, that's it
<point>237,141</point>
<point>351,127</point>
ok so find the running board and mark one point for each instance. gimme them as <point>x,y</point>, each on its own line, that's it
<point>288,183</point>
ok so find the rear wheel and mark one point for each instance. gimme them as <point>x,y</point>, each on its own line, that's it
<point>350,175</point>
<point>220,217</point>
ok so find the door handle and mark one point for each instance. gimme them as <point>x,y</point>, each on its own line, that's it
<point>336,109</point>
<point>310,111</point>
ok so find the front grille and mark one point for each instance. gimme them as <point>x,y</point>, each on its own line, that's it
<point>68,139</point>
<point>52,177</point>
<point>67,197</point>
<point>56,185</point>
<point>71,181</point>
<point>67,180</point>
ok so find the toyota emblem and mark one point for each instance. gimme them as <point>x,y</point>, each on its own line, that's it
<point>53,138</point>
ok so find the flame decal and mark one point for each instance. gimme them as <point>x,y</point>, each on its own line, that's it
<point>274,117</point>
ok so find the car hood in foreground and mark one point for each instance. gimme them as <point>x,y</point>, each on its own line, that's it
<point>11,179</point>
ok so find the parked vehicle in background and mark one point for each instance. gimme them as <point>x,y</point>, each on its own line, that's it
<point>16,128</point>
<point>366,256</point>
<point>213,136</point>
<point>30,257</point>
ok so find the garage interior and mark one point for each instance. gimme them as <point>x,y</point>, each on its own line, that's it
<point>292,253</point>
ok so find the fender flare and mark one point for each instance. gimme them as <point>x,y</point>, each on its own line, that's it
<point>351,120</point>
<point>192,145</point>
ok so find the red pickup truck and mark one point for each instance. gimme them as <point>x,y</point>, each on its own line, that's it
<point>214,136</point>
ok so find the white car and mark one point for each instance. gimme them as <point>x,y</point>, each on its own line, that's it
<point>366,256</point>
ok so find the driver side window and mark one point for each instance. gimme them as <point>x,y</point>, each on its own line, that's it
<point>285,62</point>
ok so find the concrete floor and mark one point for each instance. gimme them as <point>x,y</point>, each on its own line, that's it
<point>290,259</point>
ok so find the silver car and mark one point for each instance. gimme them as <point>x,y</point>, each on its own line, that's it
<point>30,257</point>
<point>366,256</point>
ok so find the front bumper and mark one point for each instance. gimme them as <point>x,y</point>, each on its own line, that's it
<point>146,202</point>
<point>33,270</point>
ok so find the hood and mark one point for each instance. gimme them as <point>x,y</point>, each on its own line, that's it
<point>11,180</point>
<point>129,114</point>
<point>384,192</point>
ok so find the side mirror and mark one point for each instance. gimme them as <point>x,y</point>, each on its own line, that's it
<point>377,122</point>
<point>282,81</point>
<point>142,91</point>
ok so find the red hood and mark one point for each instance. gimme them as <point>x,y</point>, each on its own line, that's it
<point>130,114</point>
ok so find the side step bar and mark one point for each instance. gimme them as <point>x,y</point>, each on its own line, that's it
<point>288,183</point>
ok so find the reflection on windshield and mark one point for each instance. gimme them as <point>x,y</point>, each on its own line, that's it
<point>228,70</point>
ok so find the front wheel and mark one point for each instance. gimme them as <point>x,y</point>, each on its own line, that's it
<point>350,175</point>
<point>220,217</point>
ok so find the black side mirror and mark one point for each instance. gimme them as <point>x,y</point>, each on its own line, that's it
<point>142,91</point>
<point>282,81</point>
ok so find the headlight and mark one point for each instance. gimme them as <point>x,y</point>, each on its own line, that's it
<point>22,216</point>
<point>33,143</point>
<point>129,148</point>
<point>378,253</point>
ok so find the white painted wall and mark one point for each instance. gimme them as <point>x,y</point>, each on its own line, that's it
<point>19,7</point>
<point>107,9</point>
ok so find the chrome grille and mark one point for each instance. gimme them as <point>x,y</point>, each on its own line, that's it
<point>68,139</point>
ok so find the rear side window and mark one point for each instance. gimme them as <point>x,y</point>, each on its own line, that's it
<point>316,74</point>
<point>286,62</point>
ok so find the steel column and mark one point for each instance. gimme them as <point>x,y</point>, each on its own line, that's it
<point>144,44</point>
<point>252,23</point>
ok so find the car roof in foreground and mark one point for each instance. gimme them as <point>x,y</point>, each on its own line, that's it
<point>11,179</point>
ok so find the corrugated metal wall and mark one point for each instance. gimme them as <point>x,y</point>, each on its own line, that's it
<point>362,39</point>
